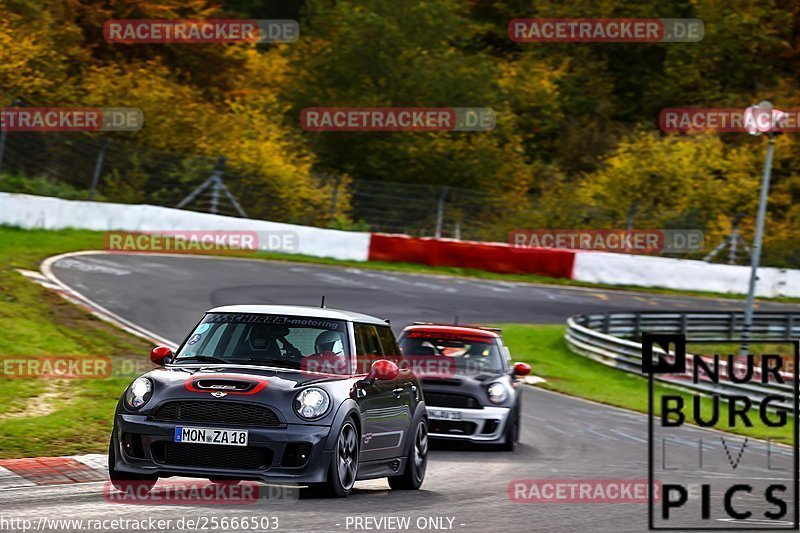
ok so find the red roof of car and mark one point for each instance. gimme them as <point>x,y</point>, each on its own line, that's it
<point>453,330</point>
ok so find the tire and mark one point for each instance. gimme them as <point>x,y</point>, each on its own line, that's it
<point>343,469</point>
<point>417,461</point>
<point>511,434</point>
<point>138,484</point>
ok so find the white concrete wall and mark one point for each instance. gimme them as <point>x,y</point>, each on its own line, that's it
<point>684,274</point>
<point>40,212</point>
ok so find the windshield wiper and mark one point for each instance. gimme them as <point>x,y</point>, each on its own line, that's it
<point>202,358</point>
<point>277,364</point>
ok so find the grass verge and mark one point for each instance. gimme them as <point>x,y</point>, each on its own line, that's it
<point>545,349</point>
<point>41,417</point>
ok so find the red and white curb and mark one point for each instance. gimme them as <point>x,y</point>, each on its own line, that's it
<point>40,471</point>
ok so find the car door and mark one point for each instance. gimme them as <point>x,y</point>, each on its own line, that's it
<point>381,410</point>
<point>406,387</point>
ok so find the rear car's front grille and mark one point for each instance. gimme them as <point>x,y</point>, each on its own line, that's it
<point>218,412</point>
<point>451,427</point>
<point>438,399</point>
<point>441,381</point>
<point>212,456</point>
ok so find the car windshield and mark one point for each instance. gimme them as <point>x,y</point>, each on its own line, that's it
<point>293,342</point>
<point>470,355</point>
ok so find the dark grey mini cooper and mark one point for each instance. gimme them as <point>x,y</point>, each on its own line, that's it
<point>302,395</point>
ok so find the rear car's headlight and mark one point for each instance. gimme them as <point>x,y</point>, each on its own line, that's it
<point>312,403</point>
<point>139,393</point>
<point>498,393</point>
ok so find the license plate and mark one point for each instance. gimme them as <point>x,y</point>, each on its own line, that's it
<point>444,415</point>
<point>228,437</point>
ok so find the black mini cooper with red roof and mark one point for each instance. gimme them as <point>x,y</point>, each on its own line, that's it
<point>472,390</point>
<point>305,395</point>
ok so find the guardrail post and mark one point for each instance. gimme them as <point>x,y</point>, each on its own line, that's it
<point>789,325</point>
<point>606,322</point>
<point>732,326</point>
<point>637,324</point>
<point>684,323</point>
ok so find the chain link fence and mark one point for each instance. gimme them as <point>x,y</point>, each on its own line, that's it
<point>82,166</point>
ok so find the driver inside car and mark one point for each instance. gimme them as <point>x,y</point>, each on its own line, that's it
<point>264,342</point>
<point>329,356</point>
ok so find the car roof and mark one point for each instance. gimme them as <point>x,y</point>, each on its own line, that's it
<point>454,330</point>
<point>301,310</point>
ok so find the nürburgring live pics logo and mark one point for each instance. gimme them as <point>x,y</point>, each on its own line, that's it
<point>713,481</point>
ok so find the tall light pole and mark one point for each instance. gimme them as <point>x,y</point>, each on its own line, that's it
<point>759,119</point>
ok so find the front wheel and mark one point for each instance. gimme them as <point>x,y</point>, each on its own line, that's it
<point>138,484</point>
<point>417,462</point>
<point>511,434</point>
<point>344,465</point>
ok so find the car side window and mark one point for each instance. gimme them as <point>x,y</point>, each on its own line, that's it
<point>389,345</point>
<point>367,341</point>
<point>368,347</point>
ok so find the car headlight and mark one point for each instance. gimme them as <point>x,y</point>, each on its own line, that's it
<point>312,403</point>
<point>138,393</point>
<point>498,393</point>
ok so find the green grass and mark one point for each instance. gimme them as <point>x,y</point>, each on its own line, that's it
<point>544,348</point>
<point>45,416</point>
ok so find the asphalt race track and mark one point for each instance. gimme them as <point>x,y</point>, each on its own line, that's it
<point>563,438</point>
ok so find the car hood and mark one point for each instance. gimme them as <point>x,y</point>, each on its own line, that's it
<point>281,379</point>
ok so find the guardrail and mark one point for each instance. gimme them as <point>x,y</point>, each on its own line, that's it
<point>614,340</point>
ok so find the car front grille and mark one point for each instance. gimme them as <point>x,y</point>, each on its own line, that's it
<point>218,412</point>
<point>212,456</point>
<point>452,427</point>
<point>438,399</point>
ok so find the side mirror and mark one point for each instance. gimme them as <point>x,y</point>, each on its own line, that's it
<point>383,370</point>
<point>522,369</point>
<point>161,355</point>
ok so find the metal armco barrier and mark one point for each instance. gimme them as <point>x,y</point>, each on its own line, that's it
<point>614,340</point>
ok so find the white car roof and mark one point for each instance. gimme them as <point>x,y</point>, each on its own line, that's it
<point>301,310</point>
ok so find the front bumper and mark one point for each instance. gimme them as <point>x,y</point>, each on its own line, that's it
<point>292,454</point>
<point>474,425</point>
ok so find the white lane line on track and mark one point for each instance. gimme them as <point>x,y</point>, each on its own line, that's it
<point>601,435</point>
<point>97,309</point>
<point>629,436</point>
